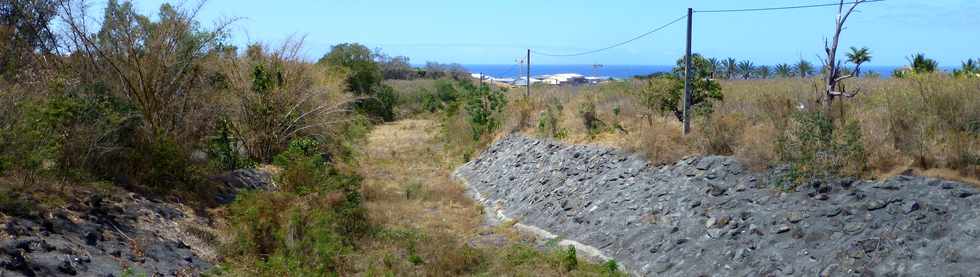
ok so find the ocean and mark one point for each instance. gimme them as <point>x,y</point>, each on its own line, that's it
<point>614,71</point>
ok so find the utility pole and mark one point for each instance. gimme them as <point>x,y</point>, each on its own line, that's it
<point>528,93</point>
<point>687,76</point>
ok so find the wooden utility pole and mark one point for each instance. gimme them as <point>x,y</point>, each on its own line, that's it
<point>528,93</point>
<point>687,76</point>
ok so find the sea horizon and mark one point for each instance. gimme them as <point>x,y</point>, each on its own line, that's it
<point>614,71</point>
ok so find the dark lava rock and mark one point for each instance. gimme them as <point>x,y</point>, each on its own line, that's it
<point>105,234</point>
<point>242,180</point>
<point>904,226</point>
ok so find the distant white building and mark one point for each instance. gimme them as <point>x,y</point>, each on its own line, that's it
<point>564,79</point>
<point>592,80</point>
<point>504,80</point>
<point>522,81</point>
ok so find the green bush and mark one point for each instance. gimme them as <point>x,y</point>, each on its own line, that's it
<point>569,260</point>
<point>74,133</point>
<point>306,228</point>
<point>816,149</point>
<point>223,149</point>
<point>549,123</point>
<point>482,106</point>
<point>590,118</point>
<point>14,204</point>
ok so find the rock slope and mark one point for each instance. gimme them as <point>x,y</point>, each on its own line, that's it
<point>101,236</point>
<point>708,216</point>
<point>120,234</point>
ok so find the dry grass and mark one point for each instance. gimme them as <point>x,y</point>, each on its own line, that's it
<point>427,226</point>
<point>927,123</point>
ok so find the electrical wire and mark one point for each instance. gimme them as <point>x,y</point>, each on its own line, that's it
<point>784,8</point>
<point>614,45</point>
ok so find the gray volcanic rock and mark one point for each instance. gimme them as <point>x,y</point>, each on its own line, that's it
<point>709,216</point>
<point>105,237</point>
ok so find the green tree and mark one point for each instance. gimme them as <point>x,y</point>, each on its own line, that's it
<point>363,72</point>
<point>804,68</point>
<point>745,69</point>
<point>665,93</point>
<point>763,71</point>
<point>24,33</point>
<point>731,68</point>
<point>920,64</point>
<point>858,56</point>
<point>968,68</point>
<point>784,70</point>
<point>364,78</point>
<point>716,67</point>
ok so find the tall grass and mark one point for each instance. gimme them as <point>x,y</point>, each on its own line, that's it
<point>927,123</point>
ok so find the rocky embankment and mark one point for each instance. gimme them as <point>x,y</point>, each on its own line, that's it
<point>708,216</point>
<point>122,234</point>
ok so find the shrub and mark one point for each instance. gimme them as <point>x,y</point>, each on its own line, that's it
<point>223,148</point>
<point>482,106</point>
<point>590,120</point>
<point>364,78</point>
<point>816,149</point>
<point>305,229</point>
<point>549,123</point>
<point>569,260</point>
<point>278,97</point>
<point>721,134</point>
<point>74,133</point>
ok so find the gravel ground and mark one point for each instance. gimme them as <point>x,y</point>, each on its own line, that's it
<point>708,216</point>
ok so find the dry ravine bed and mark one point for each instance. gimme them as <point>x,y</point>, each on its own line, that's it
<point>708,216</point>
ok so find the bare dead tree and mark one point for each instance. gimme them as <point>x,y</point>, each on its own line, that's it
<point>832,65</point>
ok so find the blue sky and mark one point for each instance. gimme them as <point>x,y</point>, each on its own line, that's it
<point>497,32</point>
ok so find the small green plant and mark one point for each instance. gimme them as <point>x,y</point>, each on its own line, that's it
<point>222,148</point>
<point>414,190</point>
<point>569,259</point>
<point>593,125</point>
<point>611,268</point>
<point>413,257</point>
<point>550,121</point>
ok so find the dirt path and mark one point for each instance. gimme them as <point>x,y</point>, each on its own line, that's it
<point>407,181</point>
<point>427,226</point>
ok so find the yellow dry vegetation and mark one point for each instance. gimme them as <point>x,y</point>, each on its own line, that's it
<point>426,225</point>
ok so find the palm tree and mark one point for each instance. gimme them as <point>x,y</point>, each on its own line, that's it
<point>969,68</point>
<point>731,66</point>
<point>921,64</point>
<point>715,66</point>
<point>804,68</point>
<point>784,70</point>
<point>745,68</point>
<point>763,71</point>
<point>858,57</point>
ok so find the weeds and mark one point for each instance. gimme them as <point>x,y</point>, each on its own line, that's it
<point>817,150</point>
<point>549,123</point>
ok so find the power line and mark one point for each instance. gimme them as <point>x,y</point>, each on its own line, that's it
<point>614,45</point>
<point>784,8</point>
